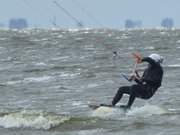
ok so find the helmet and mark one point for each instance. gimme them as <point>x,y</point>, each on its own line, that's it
<point>156,57</point>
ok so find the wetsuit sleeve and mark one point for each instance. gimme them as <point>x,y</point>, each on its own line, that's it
<point>150,61</point>
<point>153,74</point>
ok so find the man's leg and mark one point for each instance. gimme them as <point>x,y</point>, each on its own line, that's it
<point>119,94</point>
<point>131,100</point>
<point>136,91</point>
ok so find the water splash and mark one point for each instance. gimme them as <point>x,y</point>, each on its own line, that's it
<point>32,119</point>
<point>107,112</point>
<point>147,110</point>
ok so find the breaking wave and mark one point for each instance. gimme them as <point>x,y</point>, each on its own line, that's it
<point>32,119</point>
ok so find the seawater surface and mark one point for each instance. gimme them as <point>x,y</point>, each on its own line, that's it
<point>49,76</point>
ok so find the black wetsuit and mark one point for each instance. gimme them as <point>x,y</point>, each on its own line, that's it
<point>145,87</point>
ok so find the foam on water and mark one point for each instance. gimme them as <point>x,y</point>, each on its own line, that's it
<point>174,66</point>
<point>40,64</point>
<point>107,112</point>
<point>91,132</point>
<point>178,41</point>
<point>37,79</point>
<point>147,110</point>
<point>77,103</point>
<point>93,85</point>
<point>2,39</point>
<point>32,119</point>
<point>13,82</point>
<point>149,48</point>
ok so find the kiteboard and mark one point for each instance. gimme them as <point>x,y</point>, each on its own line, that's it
<point>97,106</point>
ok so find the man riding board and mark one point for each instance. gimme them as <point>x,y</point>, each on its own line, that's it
<point>145,86</point>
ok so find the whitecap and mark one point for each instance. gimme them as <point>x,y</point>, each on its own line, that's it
<point>163,33</point>
<point>32,119</point>
<point>73,30</point>
<point>131,48</point>
<point>77,103</point>
<point>92,131</point>
<point>37,79</point>
<point>149,48</point>
<point>147,110</point>
<point>2,39</point>
<point>40,64</point>
<point>13,82</point>
<point>174,65</point>
<point>60,58</point>
<point>40,39</point>
<point>92,85</point>
<point>79,38</point>
<point>144,111</point>
<point>107,112</point>
<point>124,37</point>
<point>60,36</point>
<point>86,32</point>
<point>178,41</point>
<point>72,75</point>
<point>117,37</point>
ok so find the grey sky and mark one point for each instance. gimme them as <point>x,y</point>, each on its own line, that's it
<point>108,13</point>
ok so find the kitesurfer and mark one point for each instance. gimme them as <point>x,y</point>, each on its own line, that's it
<point>146,85</point>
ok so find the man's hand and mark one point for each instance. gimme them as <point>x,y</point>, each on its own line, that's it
<point>137,57</point>
<point>137,74</point>
<point>133,77</point>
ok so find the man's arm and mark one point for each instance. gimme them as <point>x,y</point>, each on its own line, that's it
<point>136,78</point>
<point>139,59</point>
<point>149,60</point>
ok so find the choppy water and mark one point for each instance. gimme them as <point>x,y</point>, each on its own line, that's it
<point>48,78</point>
